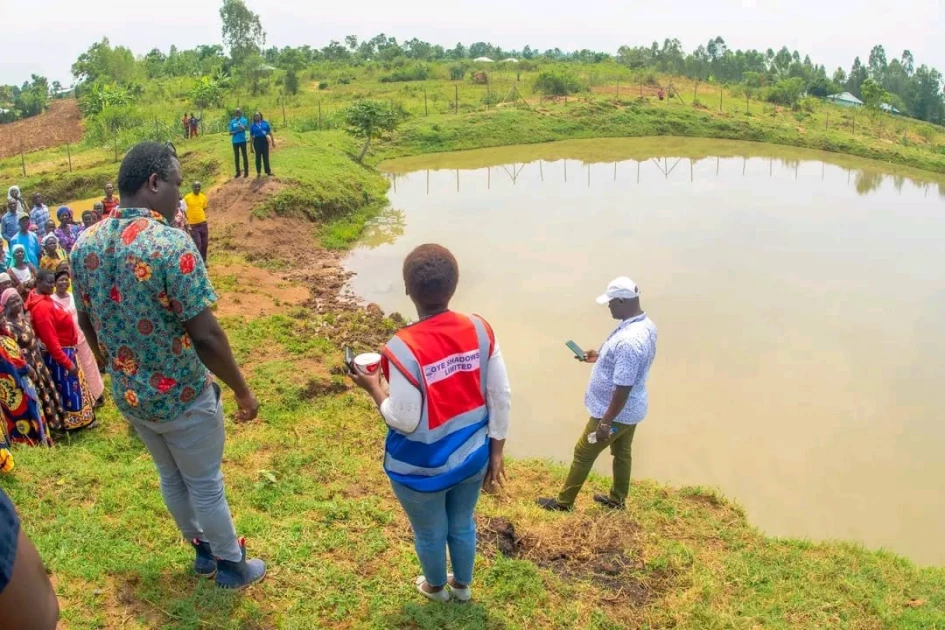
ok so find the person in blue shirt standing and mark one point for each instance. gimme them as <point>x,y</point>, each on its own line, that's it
<point>238,127</point>
<point>9,225</point>
<point>39,215</point>
<point>261,133</point>
<point>27,239</point>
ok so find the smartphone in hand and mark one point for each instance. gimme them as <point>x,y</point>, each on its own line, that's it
<point>576,349</point>
<point>349,358</point>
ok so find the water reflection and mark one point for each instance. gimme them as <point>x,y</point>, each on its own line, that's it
<point>864,181</point>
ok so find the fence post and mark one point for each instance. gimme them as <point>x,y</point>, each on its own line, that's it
<point>720,98</point>
<point>618,89</point>
<point>69,155</point>
<point>319,115</point>
<point>283,112</point>
<point>426,112</point>
<point>827,122</point>
<point>456,99</point>
<point>22,158</point>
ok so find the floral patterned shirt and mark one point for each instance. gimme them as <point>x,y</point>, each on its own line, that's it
<point>139,279</point>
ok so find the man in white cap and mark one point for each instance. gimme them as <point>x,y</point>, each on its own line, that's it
<point>616,397</point>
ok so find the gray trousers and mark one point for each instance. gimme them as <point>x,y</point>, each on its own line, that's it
<point>188,452</point>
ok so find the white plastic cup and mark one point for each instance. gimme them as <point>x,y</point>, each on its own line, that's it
<point>367,363</point>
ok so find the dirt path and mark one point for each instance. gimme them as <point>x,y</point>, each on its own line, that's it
<point>288,267</point>
<point>61,124</point>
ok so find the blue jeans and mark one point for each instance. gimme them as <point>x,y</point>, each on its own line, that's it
<point>188,452</point>
<point>440,520</point>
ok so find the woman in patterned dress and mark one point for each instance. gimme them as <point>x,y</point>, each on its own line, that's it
<point>22,331</point>
<point>68,231</point>
<point>64,298</point>
<point>19,402</point>
<point>55,328</point>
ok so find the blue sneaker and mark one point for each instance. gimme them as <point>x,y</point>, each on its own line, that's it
<point>239,575</point>
<point>205,565</point>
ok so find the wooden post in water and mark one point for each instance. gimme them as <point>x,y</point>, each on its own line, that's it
<point>22,158</point>
<point>69,155</point>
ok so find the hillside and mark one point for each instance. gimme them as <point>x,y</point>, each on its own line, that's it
<point>61,124</point>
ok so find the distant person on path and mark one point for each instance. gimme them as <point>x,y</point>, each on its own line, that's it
<point>447,415</point>
<point>10,224</point>
<point>28,240</point>
<point>261,133</point>
<point>39,214</point>
<point>110,202</point>
<point>194,123</point>
<point>238,127</point>
<point>14,194</point>
<point>145,308</point>
<point>616,397</point>
<point>27,597</point>
<point>185,121</point>
<point>197,219</point>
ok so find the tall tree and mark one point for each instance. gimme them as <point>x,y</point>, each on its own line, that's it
<point>908,62</point>
<point>877,63</point>
<point>243,33</point>
<point>858,74</point>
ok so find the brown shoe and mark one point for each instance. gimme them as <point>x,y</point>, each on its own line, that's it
<point>552,505</point>
<point>607,502</point>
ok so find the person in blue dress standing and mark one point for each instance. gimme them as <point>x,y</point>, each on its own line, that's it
<point>261,133</point>
<point>238,127</point>
<point>28,240</point>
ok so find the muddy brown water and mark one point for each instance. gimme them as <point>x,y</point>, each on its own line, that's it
<point>799,298</point>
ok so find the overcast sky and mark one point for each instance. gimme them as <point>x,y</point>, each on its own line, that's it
<point>46,36</point>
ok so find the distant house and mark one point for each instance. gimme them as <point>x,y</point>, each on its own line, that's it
<point>510,60</point>
<point>483,60</point>
<point>845,100</point>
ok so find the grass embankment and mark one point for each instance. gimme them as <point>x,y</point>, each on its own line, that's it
<point>306,487</point>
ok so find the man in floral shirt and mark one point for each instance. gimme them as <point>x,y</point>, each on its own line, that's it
<point>144,303</point>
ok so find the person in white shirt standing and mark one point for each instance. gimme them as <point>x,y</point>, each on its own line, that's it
<point>616,398</point>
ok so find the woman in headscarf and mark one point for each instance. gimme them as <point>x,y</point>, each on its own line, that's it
<point>53,254</point>
<point>60,335</point>
<point>22,331</point>
<point>5,282</point>
<point>68,231</point>
<point>64,298</point>
<point>22,272</point>
<point>13,194</point>
<point>23,414</point>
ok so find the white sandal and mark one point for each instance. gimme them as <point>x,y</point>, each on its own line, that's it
<point>439,596</point>
<point>461,595</point>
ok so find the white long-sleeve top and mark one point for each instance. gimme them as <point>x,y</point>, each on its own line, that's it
<point>404,405</point>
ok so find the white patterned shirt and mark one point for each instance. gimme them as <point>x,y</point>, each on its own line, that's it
<point>625,360</point>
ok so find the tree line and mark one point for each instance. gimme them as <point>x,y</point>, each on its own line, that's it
<point>114,75</point>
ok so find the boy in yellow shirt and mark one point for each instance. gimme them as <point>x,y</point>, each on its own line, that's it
<point>197,218</point>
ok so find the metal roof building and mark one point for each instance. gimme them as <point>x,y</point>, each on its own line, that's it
<point>845,99</point>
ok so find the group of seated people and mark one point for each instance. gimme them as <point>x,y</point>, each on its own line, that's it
<point>49,379</point>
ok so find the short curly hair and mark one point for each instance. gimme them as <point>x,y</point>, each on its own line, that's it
<point>431,274</point>
<point>145,159</point>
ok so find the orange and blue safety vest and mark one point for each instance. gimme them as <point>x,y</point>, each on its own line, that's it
<point>446,357</point>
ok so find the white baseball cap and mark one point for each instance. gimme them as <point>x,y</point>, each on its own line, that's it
<point>620,288</point>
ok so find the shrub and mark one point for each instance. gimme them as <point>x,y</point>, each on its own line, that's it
<point>458,71</point>
<point>786,92</point>
<point>479,77</point>
<point>323,85</point>
<point>558,83</point>
<point>420,72</point>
